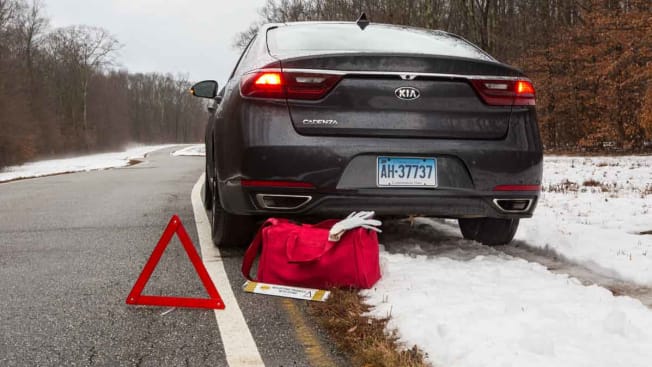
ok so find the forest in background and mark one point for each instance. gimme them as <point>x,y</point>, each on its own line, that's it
<point>590,60</point>
<point>61,93</point>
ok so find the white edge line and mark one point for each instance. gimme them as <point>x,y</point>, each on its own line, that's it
<point>239,346</point>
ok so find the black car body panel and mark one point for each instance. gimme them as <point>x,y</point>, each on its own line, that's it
<point>366,106</point>
<point>394,62</point>
<point>478,147</point>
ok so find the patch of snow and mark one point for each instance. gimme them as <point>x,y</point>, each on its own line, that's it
<point>619,174</point>
<point>77,164</point>
<point>466,304</point>
<point>465,309</point>
<point>198,150</point>
<point>596,226</point>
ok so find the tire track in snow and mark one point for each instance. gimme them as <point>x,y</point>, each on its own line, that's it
<point>557,264</point>
<point>434,237</point>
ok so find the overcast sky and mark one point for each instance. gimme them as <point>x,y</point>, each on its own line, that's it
<point>193,37</point>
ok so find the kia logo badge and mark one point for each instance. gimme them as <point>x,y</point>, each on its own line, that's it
<point>407,93</point>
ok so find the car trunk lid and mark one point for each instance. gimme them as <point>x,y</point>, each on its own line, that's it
<point>399,96</point>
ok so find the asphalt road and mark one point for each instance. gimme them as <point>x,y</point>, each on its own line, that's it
<point>71,248</point>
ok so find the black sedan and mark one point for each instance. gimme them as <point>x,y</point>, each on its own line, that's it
<point>325,118</point>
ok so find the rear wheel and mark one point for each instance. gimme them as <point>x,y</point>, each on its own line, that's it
<point>229,230</point>
<point>208,195</point>
<point>489,231</point>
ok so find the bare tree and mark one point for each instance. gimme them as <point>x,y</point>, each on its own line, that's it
<point>32,26</point>
<point>242,39</point>
<point>84,50</point>
<point>7,12</point>
<point>59,94</point>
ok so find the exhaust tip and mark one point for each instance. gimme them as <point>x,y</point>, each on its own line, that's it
<point>282,202</point>
<point>514,205</point>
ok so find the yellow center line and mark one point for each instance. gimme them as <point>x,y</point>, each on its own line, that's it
<point>311,344</point>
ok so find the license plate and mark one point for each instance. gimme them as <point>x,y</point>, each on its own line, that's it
<point>406,172</point>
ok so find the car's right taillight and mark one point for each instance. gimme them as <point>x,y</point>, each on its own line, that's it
<point>290,85</point>
<point>503,92</point>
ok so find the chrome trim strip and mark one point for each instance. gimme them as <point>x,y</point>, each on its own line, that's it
<point>260,200</point>
<point>529,205</point>
<point>399,74</point>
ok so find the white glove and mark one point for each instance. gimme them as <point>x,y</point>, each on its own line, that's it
<point>354,220</point>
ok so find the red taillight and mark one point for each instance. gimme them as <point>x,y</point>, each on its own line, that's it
<point>505,92</point>
<point>517,188</point>
<point>263,85</point>
<point>270,183</point>
<point>288,85</point>
<point>524,87</point>
<point>271,79</point>
<point>309,86</point>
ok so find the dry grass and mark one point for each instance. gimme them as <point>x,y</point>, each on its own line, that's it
<point>362,338</point>
<point>647,190</point>
<point>590,185</point>
<point>563,187</point>
<point>592,182</point>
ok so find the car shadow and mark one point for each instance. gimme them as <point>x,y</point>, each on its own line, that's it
<point>431,237</point>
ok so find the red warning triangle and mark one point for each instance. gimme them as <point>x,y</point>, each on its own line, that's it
<point>136,298</point>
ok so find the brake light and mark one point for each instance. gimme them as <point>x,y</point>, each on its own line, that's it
<point>288,85</point>
<point>269,79</point>
<point>523,87</point>
<point>505,92</point>
<point>263,85</point>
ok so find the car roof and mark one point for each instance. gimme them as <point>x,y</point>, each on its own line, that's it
<point>308,22</point>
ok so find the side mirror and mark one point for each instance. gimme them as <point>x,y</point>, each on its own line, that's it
<point>204,89</point>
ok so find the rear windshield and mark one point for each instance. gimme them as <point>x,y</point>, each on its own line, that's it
<point>347,37</point>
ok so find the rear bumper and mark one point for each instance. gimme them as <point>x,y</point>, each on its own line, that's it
<point>437,203</point>
<point>261,144</point>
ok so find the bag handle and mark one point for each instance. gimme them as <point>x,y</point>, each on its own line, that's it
<point>299,253</point>
<point>254,248</point>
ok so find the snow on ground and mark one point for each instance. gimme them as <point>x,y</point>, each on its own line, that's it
<point>466,304</point>
<point>198,150</point>
<point>77,164</point>
<point>593,211</point>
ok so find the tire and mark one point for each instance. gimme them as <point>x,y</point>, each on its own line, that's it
<point>229,230</point>
<point>208,194</point>
<point>489,231</point>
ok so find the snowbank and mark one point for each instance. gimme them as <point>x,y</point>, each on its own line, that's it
<point>466,304</point>
<point>467,310</point>
<point>593,212</point>
<point>77,164</point>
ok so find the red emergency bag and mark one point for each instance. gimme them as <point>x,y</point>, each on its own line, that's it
<point>301,255</point>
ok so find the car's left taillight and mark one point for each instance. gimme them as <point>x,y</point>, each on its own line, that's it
<point>287,85</point>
